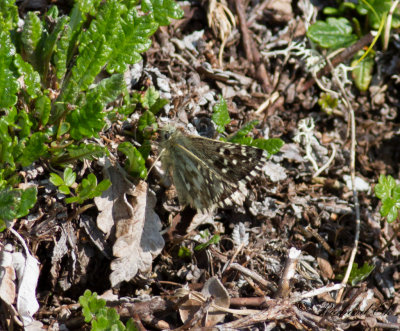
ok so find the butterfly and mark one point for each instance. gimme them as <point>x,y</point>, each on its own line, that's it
<point>208,173</point>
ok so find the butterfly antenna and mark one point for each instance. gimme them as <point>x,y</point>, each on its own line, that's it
<point>152,166</point>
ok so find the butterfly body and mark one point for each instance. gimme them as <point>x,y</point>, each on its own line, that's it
<point>206,172</point>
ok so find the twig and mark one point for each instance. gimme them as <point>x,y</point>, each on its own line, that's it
<point>288,273</point>
<point>353,184</point>
<point>386,34</point>
<point>252,53</point>
<point>253,275</point>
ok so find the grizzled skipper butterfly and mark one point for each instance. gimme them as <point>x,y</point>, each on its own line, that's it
<point>208,173</point>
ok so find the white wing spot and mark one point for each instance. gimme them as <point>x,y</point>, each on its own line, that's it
<point>234,162</point>
<point>224,170</point>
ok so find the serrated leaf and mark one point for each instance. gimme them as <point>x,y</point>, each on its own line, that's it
<point>30,76</point>
<point>150,97</point>
<point>34,149</point>
<point>220,115</point>
<point>272,145</point>
<point>82,152</point>
<point>9,202</point>
<point>132,39</point>
<point>8,15</point>
<point>64,189</point>
<point>88,121</point>
<point>108,89</point>
<point>56,179</point>
<point>31,33</point>
<point>50,42</point>
<point>8,83</point>
<point>147,119</point>
<point>163,10</point>
<point>214,240</point>
<point>158,105</point>
<point>333,34</point>
<point>384,187</point>
<point>362,73</point>
<point>388,205</point>
<point>42,109</point>
<point>135,163</point>
<point>27,201</point>
<point>61,51</point>
<point>245,129</point>
<point>69,176</point>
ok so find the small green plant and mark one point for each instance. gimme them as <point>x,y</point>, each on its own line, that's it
<point>101,317</point>
<point>147,125</point>
<point>53,101</point>
<point>357,275</point>
<point>221,118</point>
<point>213,240</point>
<point>339,31</point>
<point>87,189</point>
<point>389,193</point>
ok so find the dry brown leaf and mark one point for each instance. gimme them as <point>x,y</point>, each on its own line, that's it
<point>212,288</point>
<point>138,235</point>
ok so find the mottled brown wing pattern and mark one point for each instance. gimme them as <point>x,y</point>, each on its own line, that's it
<point>207,172</point>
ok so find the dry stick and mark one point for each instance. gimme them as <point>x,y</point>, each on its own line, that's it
<point>288,273</point>
<point>340,58</point>
<point>353,184</point>
<point>252,53</point>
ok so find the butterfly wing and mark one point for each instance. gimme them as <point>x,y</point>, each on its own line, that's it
<point>209,172</point>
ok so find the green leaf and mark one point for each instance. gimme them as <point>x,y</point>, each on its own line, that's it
<point>108,90</point>
<point>150,97</point>
<point>88,189</point>
<point>135,163</point>
<point>333,34</point>
<point>8,15</point>
<point>131,39</point>
<point>30,76</point>
<point>50,44</point>
<point>357,275</point>
<point>64,189</point>
<point>384,187</point>
<point>9,204</point>
<point>81,152</point>
<point>16,203</point>
<point>220,115</point>
<point>8,83</point>
<point>244,130</point>
<point>56,179</point>
<point>163,10</point>
<point>61,50</point>
<point>31,33</point>
<point>42,109</point>
<point>69,176</point>
<point>272,145</point>
<point>214,240</point>
<point>377,12</point>
<point>184,252</point>
<point>88,121</point>
<point>131,326</point>
<point>362,73</point>
<point>146,124</point>
<point>34,149</point>
<point>28,200</point>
